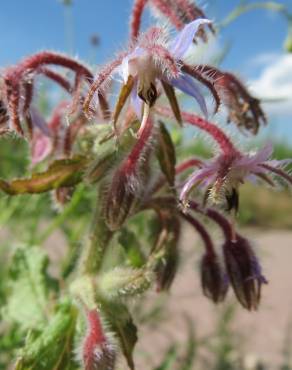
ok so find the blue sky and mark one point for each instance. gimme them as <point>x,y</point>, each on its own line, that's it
<point>28,26</point>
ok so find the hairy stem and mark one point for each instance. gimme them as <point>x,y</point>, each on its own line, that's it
<point>94,248</point>
<point>214,131</point>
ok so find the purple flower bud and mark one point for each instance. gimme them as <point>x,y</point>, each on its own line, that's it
<point>214,281</point>
<point>244,272</point>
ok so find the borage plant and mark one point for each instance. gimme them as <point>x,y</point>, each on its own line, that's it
<point>128,157</point>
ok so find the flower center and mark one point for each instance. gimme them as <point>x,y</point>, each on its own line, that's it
<point>147,93</point>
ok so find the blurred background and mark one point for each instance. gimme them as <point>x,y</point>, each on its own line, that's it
<point>253,41</point>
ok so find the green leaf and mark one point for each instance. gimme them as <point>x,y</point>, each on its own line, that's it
<point>61,173</point>
<point>29,287</point>
<point>132,247</point>
<point>166,154</point>
<point>121,323</point>
<point>53,348</point>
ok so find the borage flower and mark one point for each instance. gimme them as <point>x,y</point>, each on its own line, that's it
<point>153,58</point>
<point>223,175</point>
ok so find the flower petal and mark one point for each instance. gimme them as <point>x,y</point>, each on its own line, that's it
<point>41,147</point>
<point>136,101</point>
<point>187,85</point>
<point>206,175</point>
<point>252,161</point>
<point>39,121</point>
<point>128,67</point>
<point>265,153</point>
<point>185,37</point>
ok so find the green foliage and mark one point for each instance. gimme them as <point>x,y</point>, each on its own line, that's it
<point>30,289</point>
<point>53,347</point>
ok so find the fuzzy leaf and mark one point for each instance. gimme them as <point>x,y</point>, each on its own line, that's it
<point>53,348</point>
<point>29,287</point>
<point>166,154</point>
<point>121,323</point>
<point>124,282</point>
<point>61,173</point>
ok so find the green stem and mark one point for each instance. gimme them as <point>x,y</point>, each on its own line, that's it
<point>93,251</point>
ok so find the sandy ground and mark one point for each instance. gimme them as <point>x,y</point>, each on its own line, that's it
<point>263,332</point>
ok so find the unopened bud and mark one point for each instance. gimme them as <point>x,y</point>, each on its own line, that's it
<point>167,268</point>
<point>214,281</point>
<point>244,272</point>
<point>122,195</point>
<point>128,182</point>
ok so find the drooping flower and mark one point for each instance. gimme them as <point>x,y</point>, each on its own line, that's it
<point>153,58</point>
<point>242,266</point>
<point>244,272</point>
<point>214,280</point>
<point>222,176</point>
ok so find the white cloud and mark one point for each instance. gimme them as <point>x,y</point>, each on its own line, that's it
<point>264,59</point>
<point>274,83</point>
